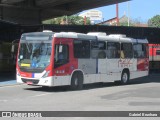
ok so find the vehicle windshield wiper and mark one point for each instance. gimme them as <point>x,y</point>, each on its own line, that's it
<point>28,47</point>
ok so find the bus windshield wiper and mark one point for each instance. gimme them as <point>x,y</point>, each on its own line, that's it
<point>28,47</point>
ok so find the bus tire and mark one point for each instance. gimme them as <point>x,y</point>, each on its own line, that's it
<point>45,87</point>
<point>125,77</point>
<point>77,81</point>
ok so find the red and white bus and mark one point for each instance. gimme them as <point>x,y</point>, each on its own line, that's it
<point>154,56</point>
<point>67,58</point>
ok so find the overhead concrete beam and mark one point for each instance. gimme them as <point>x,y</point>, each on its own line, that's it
<point>85,4</point>
<point>52,3</point>
<point>20,15</point>
<point>34,11</point>
<point>72,7</point>
<point>52,13</point>
<point>10,1</point>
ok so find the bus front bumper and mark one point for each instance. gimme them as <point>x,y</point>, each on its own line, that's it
<point>47,81</point>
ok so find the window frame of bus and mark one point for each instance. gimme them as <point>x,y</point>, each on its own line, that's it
<point>78,51</point>
<point>158,52</point>
<point>144,50</point>
<point>125,50</point>
<point>117,54</point>
<point>100,51</point>
<point>66,60</point>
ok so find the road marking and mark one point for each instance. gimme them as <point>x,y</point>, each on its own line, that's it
<point>13,85</point>
<point>3,100</point>
<point>17,99</point>
<point>40,95</point>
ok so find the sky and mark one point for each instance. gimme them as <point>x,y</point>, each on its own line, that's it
<point>140,10</point>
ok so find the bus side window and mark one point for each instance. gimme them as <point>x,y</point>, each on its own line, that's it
<point>145,50</point>
<point>81,48</point>
<point>127,50</point>
<point>61,55</point>
<point>140,50</point>
<point>101,54</point>
<point>113,50</point>
<point>98,49</point>
<point>122,54</point>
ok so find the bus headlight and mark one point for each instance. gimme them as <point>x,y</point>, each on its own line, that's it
<point>46,74</point>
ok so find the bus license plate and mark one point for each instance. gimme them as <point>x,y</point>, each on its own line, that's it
<point>29,83</point>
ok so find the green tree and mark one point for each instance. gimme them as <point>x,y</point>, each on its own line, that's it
<point>126,23</point>
<point>154,22</point>
<point>53,21</point>
<point>71,20</point>
<point>75,20</point>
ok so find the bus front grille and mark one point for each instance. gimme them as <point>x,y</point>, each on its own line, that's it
<point>33,81</point>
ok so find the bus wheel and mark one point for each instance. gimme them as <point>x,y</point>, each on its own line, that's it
<point>45,87</point>
<point>125,77</point>
<point>77,81</point>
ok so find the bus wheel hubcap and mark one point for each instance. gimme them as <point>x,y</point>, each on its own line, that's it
<point>76,81</point>
<point>125,77</point>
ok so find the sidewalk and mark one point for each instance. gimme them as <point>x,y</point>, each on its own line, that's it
<point>10,82</point>
<point>7,79</point>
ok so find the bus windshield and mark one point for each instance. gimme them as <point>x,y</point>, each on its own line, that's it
<point>34,56</point>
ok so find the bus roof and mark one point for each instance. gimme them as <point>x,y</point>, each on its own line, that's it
<point>90,36</point>
<point>126,39</point>
<point>38,33</point>
<point>75,35</point>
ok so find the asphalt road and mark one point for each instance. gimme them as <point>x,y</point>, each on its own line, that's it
<point>141,95</point>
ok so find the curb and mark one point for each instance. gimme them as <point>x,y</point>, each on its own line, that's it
<point>7,83</point>
<point>10,85</point>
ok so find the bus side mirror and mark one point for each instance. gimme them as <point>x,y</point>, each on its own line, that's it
<point>12,49</point>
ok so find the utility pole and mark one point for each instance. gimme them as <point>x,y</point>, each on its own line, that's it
<point>85,20</point>
<point>117,14</point>
<point>66,20</point>
<point>128,13</point>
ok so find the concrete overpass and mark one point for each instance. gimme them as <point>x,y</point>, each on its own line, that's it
<point>35,11</point>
